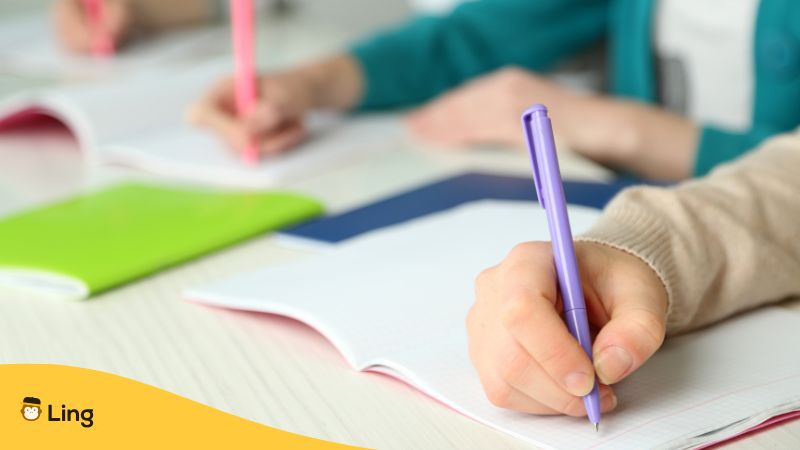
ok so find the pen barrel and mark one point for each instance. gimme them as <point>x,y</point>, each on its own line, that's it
<point>574,317</point>
<point>242,29</point>
<point>102,43</point>
<point>550,190</point>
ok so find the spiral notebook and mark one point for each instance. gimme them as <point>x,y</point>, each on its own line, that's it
<point>394,301</point>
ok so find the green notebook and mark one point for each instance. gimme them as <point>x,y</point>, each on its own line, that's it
<point>94,242</point>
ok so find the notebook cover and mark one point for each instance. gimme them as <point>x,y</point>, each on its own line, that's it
<point>94,242</point>
<point>444,194</point>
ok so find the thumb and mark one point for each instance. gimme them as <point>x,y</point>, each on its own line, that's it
<point>635,331</point>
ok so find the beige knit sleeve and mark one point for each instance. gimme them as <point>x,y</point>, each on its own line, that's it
<point>720,244</point>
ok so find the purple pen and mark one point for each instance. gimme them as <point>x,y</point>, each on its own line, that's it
<point>550,191</point>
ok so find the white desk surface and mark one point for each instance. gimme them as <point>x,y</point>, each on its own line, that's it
<point>264,368</point>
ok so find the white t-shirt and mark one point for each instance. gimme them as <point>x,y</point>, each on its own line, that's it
<point>704,59</point>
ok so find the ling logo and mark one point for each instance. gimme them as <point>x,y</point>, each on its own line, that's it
<point>32,410</point>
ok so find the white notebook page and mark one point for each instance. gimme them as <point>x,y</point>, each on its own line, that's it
<point>397,298</point>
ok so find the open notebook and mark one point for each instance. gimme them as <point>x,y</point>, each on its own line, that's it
<point>139,121</point>
<point>394,301</point>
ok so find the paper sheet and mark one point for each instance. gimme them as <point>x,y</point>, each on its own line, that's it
<point>397,299</point>
<point>196,154</point>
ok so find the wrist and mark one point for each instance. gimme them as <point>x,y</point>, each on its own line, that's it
<point>656,143</point>
<point>601,129</point>
<point>633,225</point>
<point>620,131</point>
<point>334,83</point>
<point>626,144</point>
<point>156,15</point>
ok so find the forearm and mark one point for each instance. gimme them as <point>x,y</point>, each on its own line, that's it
<point>160,14</point>
<point>335,83</point>
<point>721,244</point>
<point>427,56</point>
<point>663,143</point>
<point>648,141</point>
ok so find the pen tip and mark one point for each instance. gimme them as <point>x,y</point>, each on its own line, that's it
<point>596,427</point>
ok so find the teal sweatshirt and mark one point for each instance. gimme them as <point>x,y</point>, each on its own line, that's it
<point>429,55</point>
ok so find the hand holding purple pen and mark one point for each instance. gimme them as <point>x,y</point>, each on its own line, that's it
<point>550,191</point>
<point>526,354</point>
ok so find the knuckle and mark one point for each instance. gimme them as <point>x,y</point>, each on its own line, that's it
<point>483,279</point>
<point>520,250</point>
<point>572,406</point>
<point>517,311</point>
<point>469,319</point>
<point>526,250</point>
<point>652,327</point>
<point>515,367</point>
<point>516,276</point>
<point>499,394</point>
<point>554,356</point>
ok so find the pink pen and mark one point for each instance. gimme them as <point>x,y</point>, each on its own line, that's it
<point>242,28</point>
<point>102,43</point>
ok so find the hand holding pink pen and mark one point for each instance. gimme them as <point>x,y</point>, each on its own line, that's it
<point>93,26</point>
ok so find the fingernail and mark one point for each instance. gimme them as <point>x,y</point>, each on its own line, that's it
<point>612,363</point>
<point>578,383</point>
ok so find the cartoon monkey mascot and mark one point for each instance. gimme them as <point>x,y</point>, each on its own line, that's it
<point>31,408</point>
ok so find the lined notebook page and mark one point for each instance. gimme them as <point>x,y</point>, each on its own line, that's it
<point>397,298</point>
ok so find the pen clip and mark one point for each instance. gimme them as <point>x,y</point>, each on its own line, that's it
<point>527,117</point>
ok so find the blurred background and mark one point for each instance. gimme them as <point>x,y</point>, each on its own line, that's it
<point>291,31</point>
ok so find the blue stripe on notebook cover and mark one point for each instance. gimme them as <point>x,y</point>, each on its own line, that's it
<point>444,194</point>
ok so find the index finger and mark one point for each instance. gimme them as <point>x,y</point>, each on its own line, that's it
<point>215,111</point>
<point>533,320</point>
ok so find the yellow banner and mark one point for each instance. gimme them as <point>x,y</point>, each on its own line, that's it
<point>52,406</point>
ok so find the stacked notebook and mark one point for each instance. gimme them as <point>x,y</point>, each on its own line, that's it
<point>394,301</point>
<point>99,240</point>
